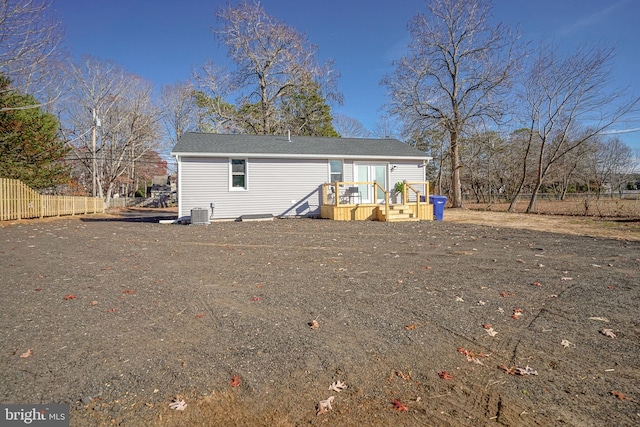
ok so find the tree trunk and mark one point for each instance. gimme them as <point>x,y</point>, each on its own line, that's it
<point>456,189</point>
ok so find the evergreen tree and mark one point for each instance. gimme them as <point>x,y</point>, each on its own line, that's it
<point>30,149</point>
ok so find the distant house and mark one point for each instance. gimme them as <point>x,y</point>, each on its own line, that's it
<point>241,175</point>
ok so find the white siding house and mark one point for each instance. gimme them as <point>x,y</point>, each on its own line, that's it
<point>237,175</point>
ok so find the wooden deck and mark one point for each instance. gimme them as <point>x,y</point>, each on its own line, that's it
<point>345,207</point>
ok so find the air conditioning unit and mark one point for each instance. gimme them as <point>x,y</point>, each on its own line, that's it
<point>199,216</point>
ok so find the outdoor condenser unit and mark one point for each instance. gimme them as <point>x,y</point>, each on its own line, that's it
<point>199,216</point>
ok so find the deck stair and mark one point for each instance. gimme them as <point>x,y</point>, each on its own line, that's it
<point>397,213</point>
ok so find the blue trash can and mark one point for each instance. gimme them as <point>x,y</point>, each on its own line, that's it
<point>438,203</point>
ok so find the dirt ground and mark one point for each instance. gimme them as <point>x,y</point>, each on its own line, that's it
<point>466,322</point>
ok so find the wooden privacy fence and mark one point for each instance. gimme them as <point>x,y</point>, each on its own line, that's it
<point>19,201</point>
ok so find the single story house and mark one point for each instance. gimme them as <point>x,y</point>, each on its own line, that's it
<point>242,175</point>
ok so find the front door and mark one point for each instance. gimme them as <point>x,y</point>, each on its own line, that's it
<point>368,173</point>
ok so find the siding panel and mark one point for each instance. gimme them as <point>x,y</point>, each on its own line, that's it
<point>281,187</point>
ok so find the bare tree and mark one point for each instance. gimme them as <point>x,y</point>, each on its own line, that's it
<point>180,112</point>
<point>110,122</point>
<point>30,49</point>
<point>349,127</point>
<point>567,103</point>
<point>457,69</point>
<point>272,61</point>
<point>385,128</point>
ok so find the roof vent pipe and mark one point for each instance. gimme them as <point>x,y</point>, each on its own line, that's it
<point>288,135</point>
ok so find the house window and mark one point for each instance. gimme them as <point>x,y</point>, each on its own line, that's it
<point>238,174</point>
<point>335,167</point>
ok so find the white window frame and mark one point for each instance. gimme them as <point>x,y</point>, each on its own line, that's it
<point>246,175</point>
<point>341,172</point>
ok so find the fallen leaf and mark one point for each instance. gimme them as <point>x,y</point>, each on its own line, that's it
<point>94,302</point>
<point>510,371</point>
<point>492,332</point>
<point>410,327</point>
<point>517,312</point>
<point>537,284</point>
<point>445,375</point>
<point>199,315</point>
<point>129,292</point>
<point>404,376</point>
<point>487,326</point>
<point>235,381</point>
<point>177,404</point>
<point>611,287</point>
<point>459,299</point>
<point>427,267</point>
<point>26,354</point>
<point>111,310</point>
<point>608,332</point>
<point>69,296</point>
<point>256,299</point>
<point>620,395</point>
<point>507,294</point>
<point>472,356</point>
<point>518,371</point>
<point>37,289</point>
<point>566,278</point>
<point>337,386</point>
<point>314,324</point>
<point>602,319</point>
<point>567,344</point>
<point>481,303</point>
<point>526,371</point>
<point>399,406</point>
<point>324,406</point>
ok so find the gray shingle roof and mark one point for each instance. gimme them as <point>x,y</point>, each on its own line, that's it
<point>210,144</point>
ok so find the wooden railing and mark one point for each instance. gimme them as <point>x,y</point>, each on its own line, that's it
<point>409,186</point>
<point>19,201</point>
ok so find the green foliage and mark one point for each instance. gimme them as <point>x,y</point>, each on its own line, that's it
<point>30,149</point>
<point>307,113</point>
<point>398,187</point>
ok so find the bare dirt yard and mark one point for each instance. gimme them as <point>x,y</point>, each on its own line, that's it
<point>483,319</point>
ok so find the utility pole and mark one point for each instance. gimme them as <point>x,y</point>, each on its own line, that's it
<point>93,152</point>
<point>95,124</point>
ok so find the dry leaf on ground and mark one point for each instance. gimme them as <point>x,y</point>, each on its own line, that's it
<point>27,353</point>
<point>178,404</point>
<point>129,292</point>
<point>518,371</point>
<point>608,333</point>
<point>620,395</point>
<point>471,355</point>
<point>526,371</point>
<point>235,381</point>
<point>324,406</point>
<point>69,296</point>
<point>199,315</point>
<point>492,332</point>
<point>602,319</point>
<point>399,406</point>
<point>445,375</point>
<point>337,386</point>
<point>314,324</point>
<point>567,344</point>
<point>404,376</point>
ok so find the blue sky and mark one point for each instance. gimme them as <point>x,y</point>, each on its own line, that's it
<point>164,40</point>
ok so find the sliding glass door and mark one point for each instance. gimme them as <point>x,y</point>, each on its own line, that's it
<point>368,173</point>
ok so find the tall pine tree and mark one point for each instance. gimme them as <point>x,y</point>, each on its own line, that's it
<point>30,149</point>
